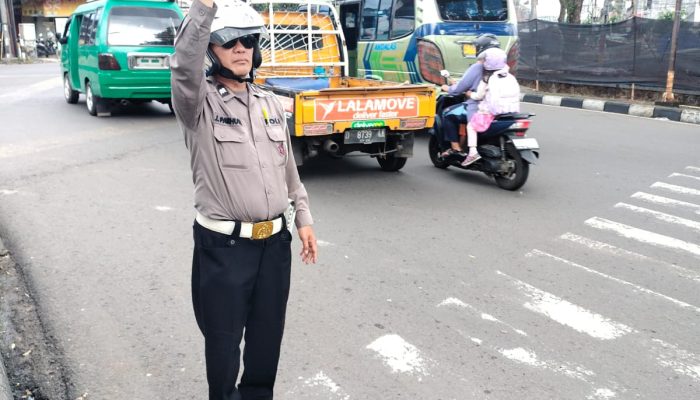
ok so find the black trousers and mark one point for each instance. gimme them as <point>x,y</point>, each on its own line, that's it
<point>240,285</point>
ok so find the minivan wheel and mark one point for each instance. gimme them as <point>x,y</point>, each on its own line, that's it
<point>70,95</point>
<point>90,100</point>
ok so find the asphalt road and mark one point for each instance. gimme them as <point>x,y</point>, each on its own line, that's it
<point>431,284</point>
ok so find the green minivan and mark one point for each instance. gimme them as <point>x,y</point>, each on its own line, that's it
<point>118,51</point>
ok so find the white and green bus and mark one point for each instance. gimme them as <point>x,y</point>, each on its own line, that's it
<point>413,40</point>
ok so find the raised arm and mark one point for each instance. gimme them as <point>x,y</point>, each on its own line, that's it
<point>187,63</point>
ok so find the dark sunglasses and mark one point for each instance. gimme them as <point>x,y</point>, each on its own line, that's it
<point>248,41</point>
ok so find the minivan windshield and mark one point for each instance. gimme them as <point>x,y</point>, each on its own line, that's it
<point>142,26</point>
<point>473,10</point>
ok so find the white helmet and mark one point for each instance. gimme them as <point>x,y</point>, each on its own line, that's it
<point>235,19</point>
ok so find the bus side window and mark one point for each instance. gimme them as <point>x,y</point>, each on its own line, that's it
<point>403,19</point>
<point>349,22</point>
<point>383,19</point>
<point>368,25</point>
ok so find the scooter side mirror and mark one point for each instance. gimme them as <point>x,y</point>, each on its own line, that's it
<point>62,40</point>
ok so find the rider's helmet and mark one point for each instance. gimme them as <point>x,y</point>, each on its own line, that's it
<point>494,59</point>
<point>235,19</point>
<point>485,41</point>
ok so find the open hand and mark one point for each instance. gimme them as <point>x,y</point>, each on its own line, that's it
<point>309,251</point>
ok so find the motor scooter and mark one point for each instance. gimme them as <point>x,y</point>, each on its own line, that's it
<point>506,152</point>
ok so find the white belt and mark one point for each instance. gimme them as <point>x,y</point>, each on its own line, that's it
<point>249,230</point>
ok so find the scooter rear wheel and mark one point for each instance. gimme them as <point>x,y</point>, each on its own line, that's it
<point>517,177</point>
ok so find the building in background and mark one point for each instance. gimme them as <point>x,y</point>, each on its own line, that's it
<point>48,16</point>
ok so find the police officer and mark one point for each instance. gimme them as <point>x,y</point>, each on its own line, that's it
<point>244,173</point>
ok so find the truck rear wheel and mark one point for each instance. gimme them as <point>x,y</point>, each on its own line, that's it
<point>391,163</point>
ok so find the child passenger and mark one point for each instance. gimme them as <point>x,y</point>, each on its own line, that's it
<point>498,92</point>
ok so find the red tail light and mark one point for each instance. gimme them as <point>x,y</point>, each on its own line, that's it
<point>513,55</point>
<point>106,61</point>
<point>430,62</point>
<point>520,125</point>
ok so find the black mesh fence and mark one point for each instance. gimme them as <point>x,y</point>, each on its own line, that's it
<point>633,51</point>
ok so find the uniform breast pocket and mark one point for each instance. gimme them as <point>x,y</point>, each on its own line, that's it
<point>278,142</point>
<point>232,147</point>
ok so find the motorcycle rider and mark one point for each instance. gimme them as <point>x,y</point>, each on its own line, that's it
<point>461,113</point>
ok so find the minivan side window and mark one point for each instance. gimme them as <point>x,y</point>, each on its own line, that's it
<point>88,27</point>
<point>84,34</point>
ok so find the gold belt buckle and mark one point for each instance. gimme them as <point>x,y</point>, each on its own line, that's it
<point>262,230</point>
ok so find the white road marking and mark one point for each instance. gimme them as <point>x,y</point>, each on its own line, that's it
<point>399,355</point>
<point>691,168</point>
<point>528,357</point>
<point>323,381</point>
<point>323,243</point>
<point>568,314</point>
<point>651,198</point>
<point>677,175</point>
<point>643,236</point>
<point>618,280</point>
<point>7,191</point>
<point>676,188</point>
<point>672,219</point>
<point>452,301</point>
<point>601,394</point>
<point>477,341</point>
<point>681,361</point>
<point>616,251</point>
<point>19,95</point>
<point>163,208</point>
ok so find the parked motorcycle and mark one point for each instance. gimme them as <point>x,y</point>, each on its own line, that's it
<point>45,47</point>
<point>506,154</point>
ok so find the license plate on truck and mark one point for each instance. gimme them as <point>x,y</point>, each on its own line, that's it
<point>365,136</point>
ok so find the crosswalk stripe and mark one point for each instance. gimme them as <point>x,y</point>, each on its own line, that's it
<point>569,314</point>
<point>596,245</point>
<point>676,188</point>
<point>399,355</point>
<point>618,280</point>
<point>322,380</point>
<point>652,198</point>
<point>677,175</point>
<point>681,361</point>
<point>452,301</point>
<point>691,168</point>
<point>661,216</point>
<point>643,236</point>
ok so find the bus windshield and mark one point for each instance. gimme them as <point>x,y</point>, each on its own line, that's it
<point>473,10</point>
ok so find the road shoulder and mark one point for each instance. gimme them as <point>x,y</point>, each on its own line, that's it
<point>28,357</point>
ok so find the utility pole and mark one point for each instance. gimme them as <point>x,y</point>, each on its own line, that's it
<point>668,94</point>
<point>9,28</point>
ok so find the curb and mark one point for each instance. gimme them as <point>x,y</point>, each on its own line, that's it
<point>5,389</point>
<point>691,116</point>
<point>5,393</point>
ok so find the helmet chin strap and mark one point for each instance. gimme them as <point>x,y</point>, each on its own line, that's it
<point>228,74</point>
